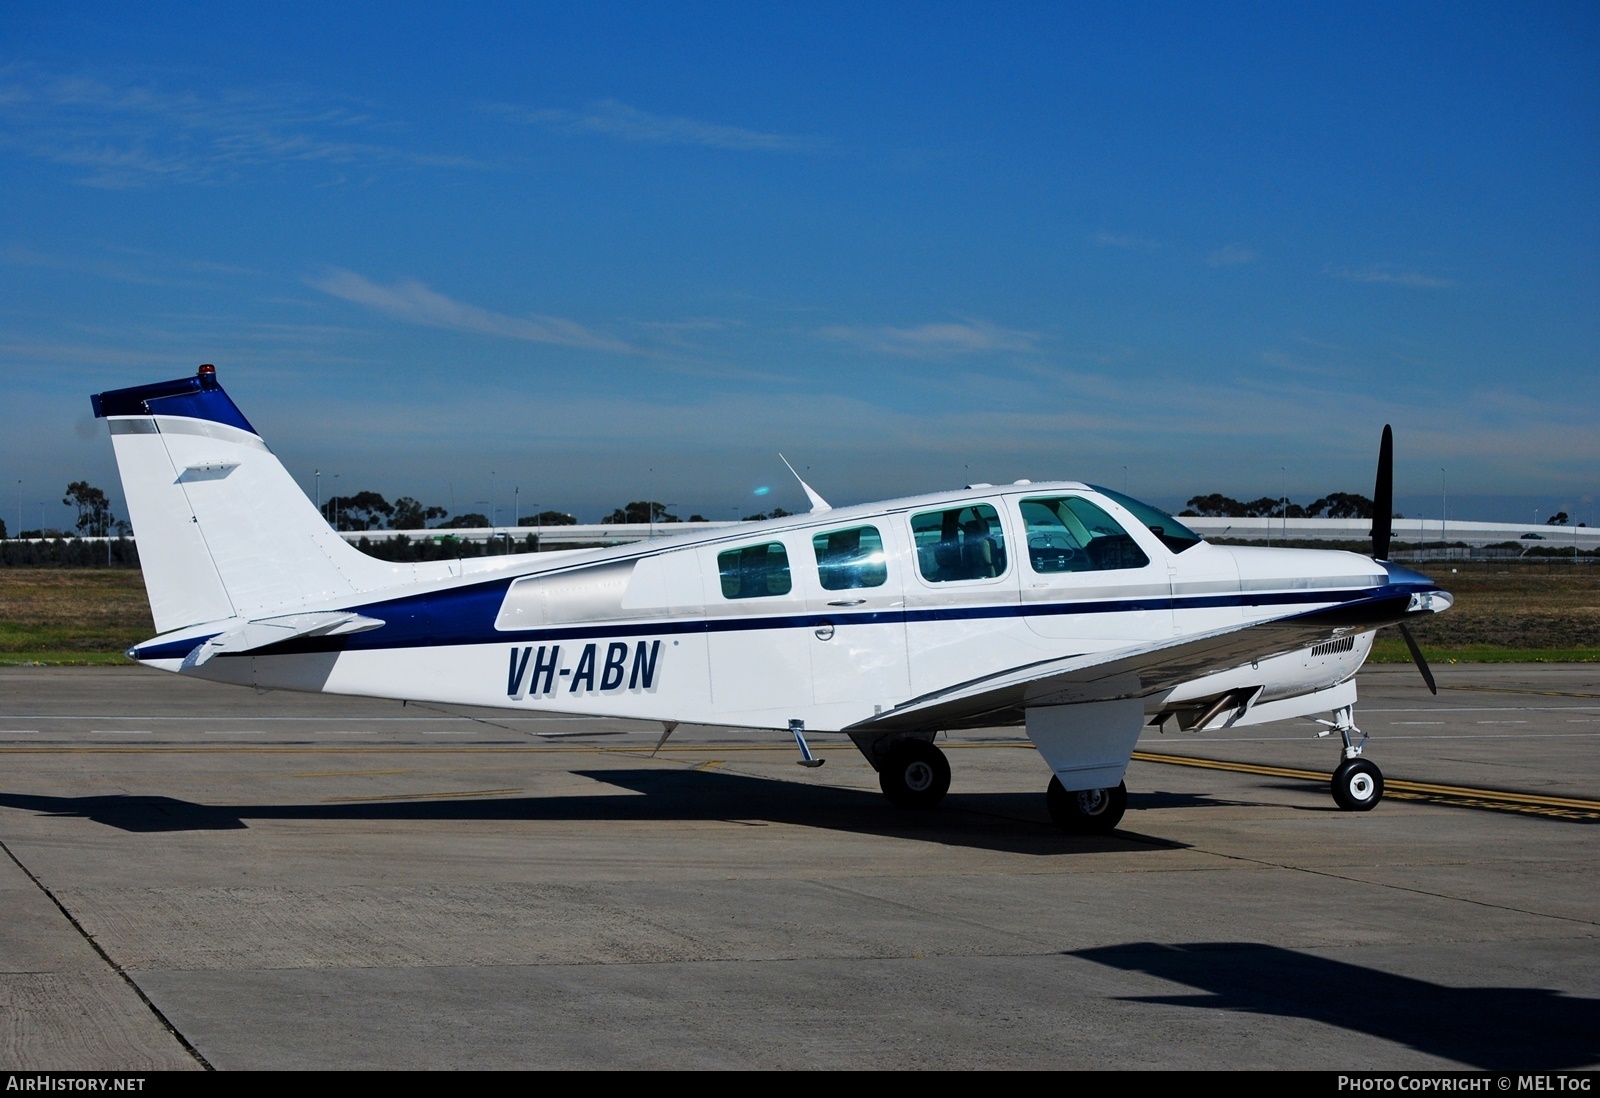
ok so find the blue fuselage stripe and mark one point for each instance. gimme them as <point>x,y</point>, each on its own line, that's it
<point>466,617</point>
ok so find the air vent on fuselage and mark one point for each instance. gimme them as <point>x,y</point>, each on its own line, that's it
<point>1328,648</point>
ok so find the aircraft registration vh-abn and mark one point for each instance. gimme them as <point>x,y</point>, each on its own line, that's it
<point>1075,611</point>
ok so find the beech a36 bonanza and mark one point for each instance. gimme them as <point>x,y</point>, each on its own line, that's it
<point>1072,610</point>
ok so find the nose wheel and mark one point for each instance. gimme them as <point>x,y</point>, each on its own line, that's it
<point>1357,784</point>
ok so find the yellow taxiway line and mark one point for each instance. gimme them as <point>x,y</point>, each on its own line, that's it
<point>1461,796</point>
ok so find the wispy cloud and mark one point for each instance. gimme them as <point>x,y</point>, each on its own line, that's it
<point>413,301</point>
<point>123,133</point>
<point>932,340</point>
<point>1393,276</point>
<point>611,118</point>
<point>1232,255</point>
<point>132,265</point>
<point>1125,240</point>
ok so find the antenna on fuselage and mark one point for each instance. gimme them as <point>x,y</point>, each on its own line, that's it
<point>818,504</point>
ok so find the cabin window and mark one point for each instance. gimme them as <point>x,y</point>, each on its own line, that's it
<point>850,559</point>
<point>1070,534</point>
<point>754,572</point>
<point>1173,534</point>
<point>962,543</point>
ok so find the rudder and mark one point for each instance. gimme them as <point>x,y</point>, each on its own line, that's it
<point>223,530</point>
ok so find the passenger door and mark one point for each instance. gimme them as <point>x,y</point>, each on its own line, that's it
<point>855,578</point>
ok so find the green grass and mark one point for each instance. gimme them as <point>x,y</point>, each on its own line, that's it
<point>1505,612</point>
<point>71,615</point>
<point>46,658</point>
<point>1389,649</point>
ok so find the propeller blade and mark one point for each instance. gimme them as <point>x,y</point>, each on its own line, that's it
<point>1383,497</point>
<point>1416,657</point>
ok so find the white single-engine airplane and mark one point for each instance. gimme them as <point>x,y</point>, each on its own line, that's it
<point>1073,610</point>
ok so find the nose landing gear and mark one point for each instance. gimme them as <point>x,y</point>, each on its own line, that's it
<point>1358,784</point>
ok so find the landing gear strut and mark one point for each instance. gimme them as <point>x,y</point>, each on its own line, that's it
<point>1086,811</point>
<point>914,774</point>
<point>1357,784</point>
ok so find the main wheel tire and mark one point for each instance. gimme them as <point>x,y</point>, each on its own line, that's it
<point>1086,811</point>
<point>1357,785</point>
<point>915,774</point>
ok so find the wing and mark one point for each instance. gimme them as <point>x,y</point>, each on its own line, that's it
<point>1004,697</point>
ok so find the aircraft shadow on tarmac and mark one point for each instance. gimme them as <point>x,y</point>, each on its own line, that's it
<point>1008,822</point>
<point>1491,1028</point>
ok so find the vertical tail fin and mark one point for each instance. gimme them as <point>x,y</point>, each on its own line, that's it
<point>223,530</point>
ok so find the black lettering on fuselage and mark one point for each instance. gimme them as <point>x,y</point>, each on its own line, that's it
<point>616,666</point>
<point>534,671</point>
<point>644,667</point>
<point>545,671</point>
<point>516,671</point>
<point>584,673</point>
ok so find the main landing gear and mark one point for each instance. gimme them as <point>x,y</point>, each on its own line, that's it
<point>1086,811</point>
<point>1357,784</point>
<point>914,774</point>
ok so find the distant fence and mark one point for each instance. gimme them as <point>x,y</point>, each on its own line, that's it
<point>1414,540</point>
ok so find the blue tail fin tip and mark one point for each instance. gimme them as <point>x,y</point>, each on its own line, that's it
<point>197,397</point>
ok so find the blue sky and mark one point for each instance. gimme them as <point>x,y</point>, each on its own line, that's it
<point>618,251</point>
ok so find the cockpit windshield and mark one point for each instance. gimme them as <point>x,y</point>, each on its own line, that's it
<point>1173,534</point>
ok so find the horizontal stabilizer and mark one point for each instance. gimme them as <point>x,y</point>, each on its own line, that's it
<point>250,635</point>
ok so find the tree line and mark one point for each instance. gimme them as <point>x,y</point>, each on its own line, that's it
<point>1337,505</point>
<point>371,511</point>
<point>647,511</point>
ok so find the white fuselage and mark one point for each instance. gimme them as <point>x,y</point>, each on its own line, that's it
<point>651,632</point>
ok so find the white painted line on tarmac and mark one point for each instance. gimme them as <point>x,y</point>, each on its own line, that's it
<point>1485,709</point>
<point>498,718</point>
<point>1211,737</point>
<point>119,732</point>
<point>1498,736</point>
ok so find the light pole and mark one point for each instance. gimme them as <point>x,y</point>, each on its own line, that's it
<point>1444,511</point>
<point>335,501</point>
<point>493,514</point>
<point>652,505</point>
<point>1283,486</point>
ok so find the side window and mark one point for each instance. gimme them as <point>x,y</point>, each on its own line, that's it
<point>754,572</point>
<point>849,559</point>
<point>963,543</point>
<point>1068,534</point>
